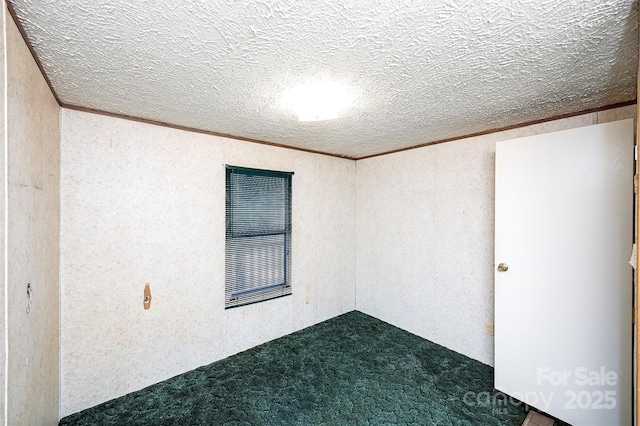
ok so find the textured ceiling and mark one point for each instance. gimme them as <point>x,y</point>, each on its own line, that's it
<point>416,71</point>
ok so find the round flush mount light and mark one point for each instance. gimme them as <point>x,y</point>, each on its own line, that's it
<point>316,101</point>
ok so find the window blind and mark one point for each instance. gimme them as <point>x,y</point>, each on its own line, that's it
<point>258,235</point>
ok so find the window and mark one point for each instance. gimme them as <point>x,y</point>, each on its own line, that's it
<point>258,236</point>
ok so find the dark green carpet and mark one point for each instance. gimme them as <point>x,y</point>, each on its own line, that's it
<point>349,370</point>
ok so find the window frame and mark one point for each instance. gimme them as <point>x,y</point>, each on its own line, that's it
<point>239,293</point>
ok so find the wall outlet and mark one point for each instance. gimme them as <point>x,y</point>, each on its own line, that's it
<point>488,328</point>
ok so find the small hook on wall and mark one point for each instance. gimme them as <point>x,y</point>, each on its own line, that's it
<point>147,297</point>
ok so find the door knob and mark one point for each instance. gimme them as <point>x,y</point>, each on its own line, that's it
<point>503,267</point>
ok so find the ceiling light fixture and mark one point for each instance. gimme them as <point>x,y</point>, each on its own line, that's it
<point>316,101</point>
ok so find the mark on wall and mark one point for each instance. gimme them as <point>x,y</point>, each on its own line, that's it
<point>147,296</point>
<point>29,294</point>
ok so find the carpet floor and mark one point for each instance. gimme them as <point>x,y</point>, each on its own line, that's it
<point>350,370</point>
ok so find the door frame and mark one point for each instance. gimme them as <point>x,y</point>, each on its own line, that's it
<point>636,304</point>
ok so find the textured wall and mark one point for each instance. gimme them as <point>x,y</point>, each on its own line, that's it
<point>143,203</point>
<point>33,137</point>
<point>417,71</point>
<point>426,236</point>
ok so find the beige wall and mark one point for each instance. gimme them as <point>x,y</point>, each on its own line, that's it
<point>33,138</point>
<point>425,236</point>
<point>142,203</point>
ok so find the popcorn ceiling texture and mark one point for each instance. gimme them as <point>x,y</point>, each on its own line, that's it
<point>418,71</point>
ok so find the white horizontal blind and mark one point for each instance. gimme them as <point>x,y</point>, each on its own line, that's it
<point>258,235</point>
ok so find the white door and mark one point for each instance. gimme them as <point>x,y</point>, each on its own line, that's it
<point>564,230</point>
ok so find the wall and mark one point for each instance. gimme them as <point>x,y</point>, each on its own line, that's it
<point>425,225</point>
<point>33,137</point>
<point>145,204</point>
<point>142,203</point>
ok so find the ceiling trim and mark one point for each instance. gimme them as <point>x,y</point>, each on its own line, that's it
<point>502,129</point>
<point>196,130</point>
<point>12,12</point>
<point>240,138</point>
